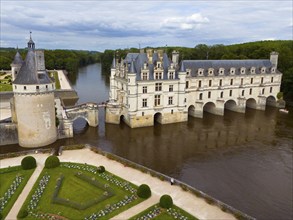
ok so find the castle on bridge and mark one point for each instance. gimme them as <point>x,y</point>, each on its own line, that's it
<point>149,87</point>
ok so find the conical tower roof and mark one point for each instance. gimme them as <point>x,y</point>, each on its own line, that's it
<point>28,72</point>
<point>17,59</point>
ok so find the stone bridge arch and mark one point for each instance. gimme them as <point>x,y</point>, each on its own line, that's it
<point>88,111</point>
<point>251,103</point>
<point>271,101</point>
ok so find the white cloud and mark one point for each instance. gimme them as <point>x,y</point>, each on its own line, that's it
<point>185,23</point>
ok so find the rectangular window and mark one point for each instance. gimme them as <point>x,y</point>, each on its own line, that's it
<point>171,75</point>
<point>230,93</point>
<point>271,89</point>
<point>199,83</point>
<point>251,81</point>
<point>241,83</point>
<point>144,76</point>
<point>220,83</point>
<point>144,89</point>
<point>170,88</point>
<point>170,100</point>
<point>210,83</point>
<point>272,79</point>
<point>157,100</point>
<point>261,80</point>
<point>250,91</point>
<point>37,87</point>
<point>200,96</point>
<point>158,75</point>
<point>243,92</point>
<point>158,87</point>
<point>144,102</point>
<point>209,94</point>
<point>263,91</point>
<point>222,93</point>
<point>231,82</point>
<point>24,87</point>
<point>187,84</point>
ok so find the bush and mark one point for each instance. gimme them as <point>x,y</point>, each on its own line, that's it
<point>144,191</point>
<point>28,163</point>
<point>280,95</point>
<point>101,169</point>
<point>22,213</point>
<point>166,201</point>
<point>52,162</point>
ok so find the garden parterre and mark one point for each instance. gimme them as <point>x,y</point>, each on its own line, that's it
<point>40,203</point>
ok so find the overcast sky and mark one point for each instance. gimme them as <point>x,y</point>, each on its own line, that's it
<point>99,25</point>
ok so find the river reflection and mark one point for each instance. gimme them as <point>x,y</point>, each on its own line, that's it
<point>244,160</point>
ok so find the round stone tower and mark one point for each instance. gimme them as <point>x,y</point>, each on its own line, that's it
<point>16,64</point>
<point>34,103</point>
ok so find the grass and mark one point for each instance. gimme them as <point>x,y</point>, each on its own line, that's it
<point>57,82</point>
<point>7,175</point>
<point>5,87</point>
<point>163,214</point>
<point>75,190</point>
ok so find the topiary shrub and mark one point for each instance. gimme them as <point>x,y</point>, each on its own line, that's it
<point>28,163</point>
<point>166,201</point>
<point>144,191</point>
<point>52,162</point>
<point>101,169</point>
<point>22,213</point>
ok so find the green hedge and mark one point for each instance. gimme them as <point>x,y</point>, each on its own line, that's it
<point>166,201</point>
<point>52,162</point>
<point>22,213</point>
<point>144,191</point>
<point>28,163</point>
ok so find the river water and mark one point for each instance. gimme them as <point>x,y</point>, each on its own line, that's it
<point>244,160</point>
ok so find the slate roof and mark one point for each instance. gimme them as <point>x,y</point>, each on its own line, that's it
<point>17,59</point>
<point>28,73</point>
<point>139,59</point>
<point>194,65</point>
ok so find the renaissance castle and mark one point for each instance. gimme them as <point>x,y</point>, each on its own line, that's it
<point>149,87</point>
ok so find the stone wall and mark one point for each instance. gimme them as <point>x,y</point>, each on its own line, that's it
<point>8,133</point>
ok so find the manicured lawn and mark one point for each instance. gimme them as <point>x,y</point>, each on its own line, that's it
<point>57,82</point>
<point>78,191</point>
<point>12,182</point>
<point>158,213</point>
<point>5,87</point>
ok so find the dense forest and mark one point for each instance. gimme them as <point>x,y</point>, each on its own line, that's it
<point>252,50</point>
<point>72,59</point>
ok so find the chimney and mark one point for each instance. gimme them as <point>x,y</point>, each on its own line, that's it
<point>150,55</point>
<point>274,59</point>
<point>160,54</point>
<point>175,57</point>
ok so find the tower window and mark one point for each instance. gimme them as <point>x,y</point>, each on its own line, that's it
<point>15,87</point>
<point>272,79</point>
<point>37,87</point>
<point>187,84</point>
<point>222,93</point>
<point>200,96</point>
<point>231,82</point>
<point>209,94</point>
<point>250,91</point>
<point>261,81</point>
<point>210,83</point>
<point>242,92</point>
<point>24,87</point>
<point>241,81</point>
<point>199,83</point>
<point>251,81</point>
<point>220,83</point>
<point>230,93</point>
<point>263,91</point>
<point>271,89</point>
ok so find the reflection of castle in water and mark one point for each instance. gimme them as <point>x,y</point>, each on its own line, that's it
<point>177,142</point>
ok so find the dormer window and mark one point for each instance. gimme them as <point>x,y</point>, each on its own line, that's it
<point>263,70</point>
<point>232,71</point>
<point>200,72</point>
<point>145,65</point>
<point>221,71</point>
<point>273,70</point>
<point>252,70</point>
<point>242,70</point>
<point>145,75</point>
<point>159,64</point>
<point>171,75</point>
<point>188,71</point>
<point>211,71</point>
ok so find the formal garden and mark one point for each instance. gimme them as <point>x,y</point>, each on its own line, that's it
<point>68,190</point>
<point>12,182</point>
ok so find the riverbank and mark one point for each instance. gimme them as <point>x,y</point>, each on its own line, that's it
<point>194,205</point>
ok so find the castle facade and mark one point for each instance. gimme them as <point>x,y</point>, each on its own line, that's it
<point>149,87</point>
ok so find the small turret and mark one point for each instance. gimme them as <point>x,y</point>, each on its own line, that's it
<point>175,57</point>
<point>16,65</point>
<point>30,43</point>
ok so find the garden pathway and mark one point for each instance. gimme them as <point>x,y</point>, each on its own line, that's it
<point>22,197</point>
<point>64,83</point>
